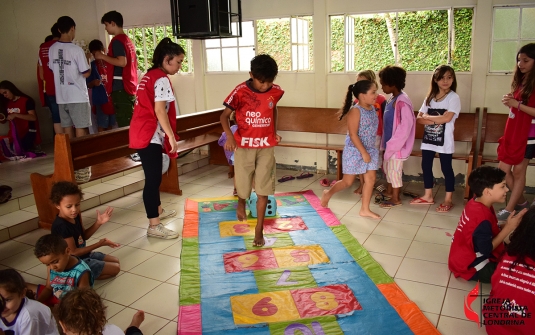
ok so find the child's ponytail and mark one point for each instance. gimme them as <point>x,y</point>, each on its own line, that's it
<point>166,48</point>
<point>360,87</point>
<point>347,102</point>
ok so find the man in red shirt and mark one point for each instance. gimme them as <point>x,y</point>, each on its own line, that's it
<point>122,62</point>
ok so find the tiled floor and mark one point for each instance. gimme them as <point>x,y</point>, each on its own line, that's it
<point>410,242</point>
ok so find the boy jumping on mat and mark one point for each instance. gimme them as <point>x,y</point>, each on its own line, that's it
<point>255,103</point>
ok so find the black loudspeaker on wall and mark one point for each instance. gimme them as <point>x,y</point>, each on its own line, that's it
<point>202,19</point>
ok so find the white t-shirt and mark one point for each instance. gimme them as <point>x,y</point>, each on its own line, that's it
<point>110,329</point>
<point>33,318</point>
<point>162,92</point>
<point>68,62</point>
<point>451,103</point>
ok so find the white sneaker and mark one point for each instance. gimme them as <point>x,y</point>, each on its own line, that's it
<point>160,231</point>
<point>167,214</point>
<point>503,215</point>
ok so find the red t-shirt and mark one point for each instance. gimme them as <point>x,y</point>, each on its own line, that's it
<point>254,115</point>
<point>510,308</point>
<point>462,251</point>
<point>21,106</point>
<point>512,145</point>
<point>48,75</point>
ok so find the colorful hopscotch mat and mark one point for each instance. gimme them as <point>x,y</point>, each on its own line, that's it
<point>311,277</point>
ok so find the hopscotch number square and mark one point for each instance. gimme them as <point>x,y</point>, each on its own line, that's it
<point>325,300</point>
<point>283,225</point>
<point>263,307</point>
<point>249,260</point>
<point>271,226</point>
<point>288,257</point>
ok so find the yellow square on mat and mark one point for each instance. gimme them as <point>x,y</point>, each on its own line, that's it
<point>263,307</point>
<point>300,255</point>
<point>236,228</point>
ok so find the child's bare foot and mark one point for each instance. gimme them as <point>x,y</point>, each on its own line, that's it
<point>137,319</point>
<point>240,211</point>
<point>369,214</point>
<point>325,199</point>
<point>358,190</point>
<point>258,236</point>
<point>258,243</point>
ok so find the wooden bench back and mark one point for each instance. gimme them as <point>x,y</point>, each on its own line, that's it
<point>99,148</point>
<point>108,145</point>
<point>195,124</point>
<point>310,120</point>
<point>492,128</point>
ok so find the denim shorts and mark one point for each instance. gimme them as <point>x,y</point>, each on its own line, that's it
<point>95,261</point>
<point>104,120</point>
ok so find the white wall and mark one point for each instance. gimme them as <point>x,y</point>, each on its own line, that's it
<point>25,23</point>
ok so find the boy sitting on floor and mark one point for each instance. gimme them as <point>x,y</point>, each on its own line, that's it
<point>477,244</point>
<point>65,272</point>
<point>66,196</point>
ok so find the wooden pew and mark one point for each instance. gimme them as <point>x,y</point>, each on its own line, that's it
<point>108,153</point>
<point>492,128</point>
<point>313,120</point>
<point>466,130</point>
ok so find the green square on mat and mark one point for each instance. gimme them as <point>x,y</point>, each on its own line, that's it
<point>281,240</point>
<point>319,325</point>
<point>375,271</point>
<point>291,200</point>
<point>284,279</point>
<point>353,246</point>
<point>190,275</point>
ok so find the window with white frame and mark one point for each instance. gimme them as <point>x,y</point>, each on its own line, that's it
<point>513,27</point>
<point>287,40</point>
<point>146,38</point>
<point>415,40</point>
<point>231,54</point>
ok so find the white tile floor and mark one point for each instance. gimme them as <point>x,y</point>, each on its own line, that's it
<point>410,242</point>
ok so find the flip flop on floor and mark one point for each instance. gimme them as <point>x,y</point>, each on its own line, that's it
<point>380,198</point>
<point>325,182</point>
<point>333,182</point>
<point>421,201</point>
<point>411,194</point>
<point>304,175</point>
<point>444,208</point>
<point>389,204</point>
<point>286,178</point>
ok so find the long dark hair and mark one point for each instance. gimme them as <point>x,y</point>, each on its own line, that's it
<point>166,48</point>
<point>529,50</point>
<point>7,85</point>
<point>439,73</point>
<point>522,246</point>
<point>357,88</point>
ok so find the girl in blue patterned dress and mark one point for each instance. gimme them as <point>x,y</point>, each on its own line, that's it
<point>360,154</point>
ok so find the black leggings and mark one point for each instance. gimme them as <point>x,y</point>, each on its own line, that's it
<point>445,163</point>
<point>132,330</point>
<point>151,160</point>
